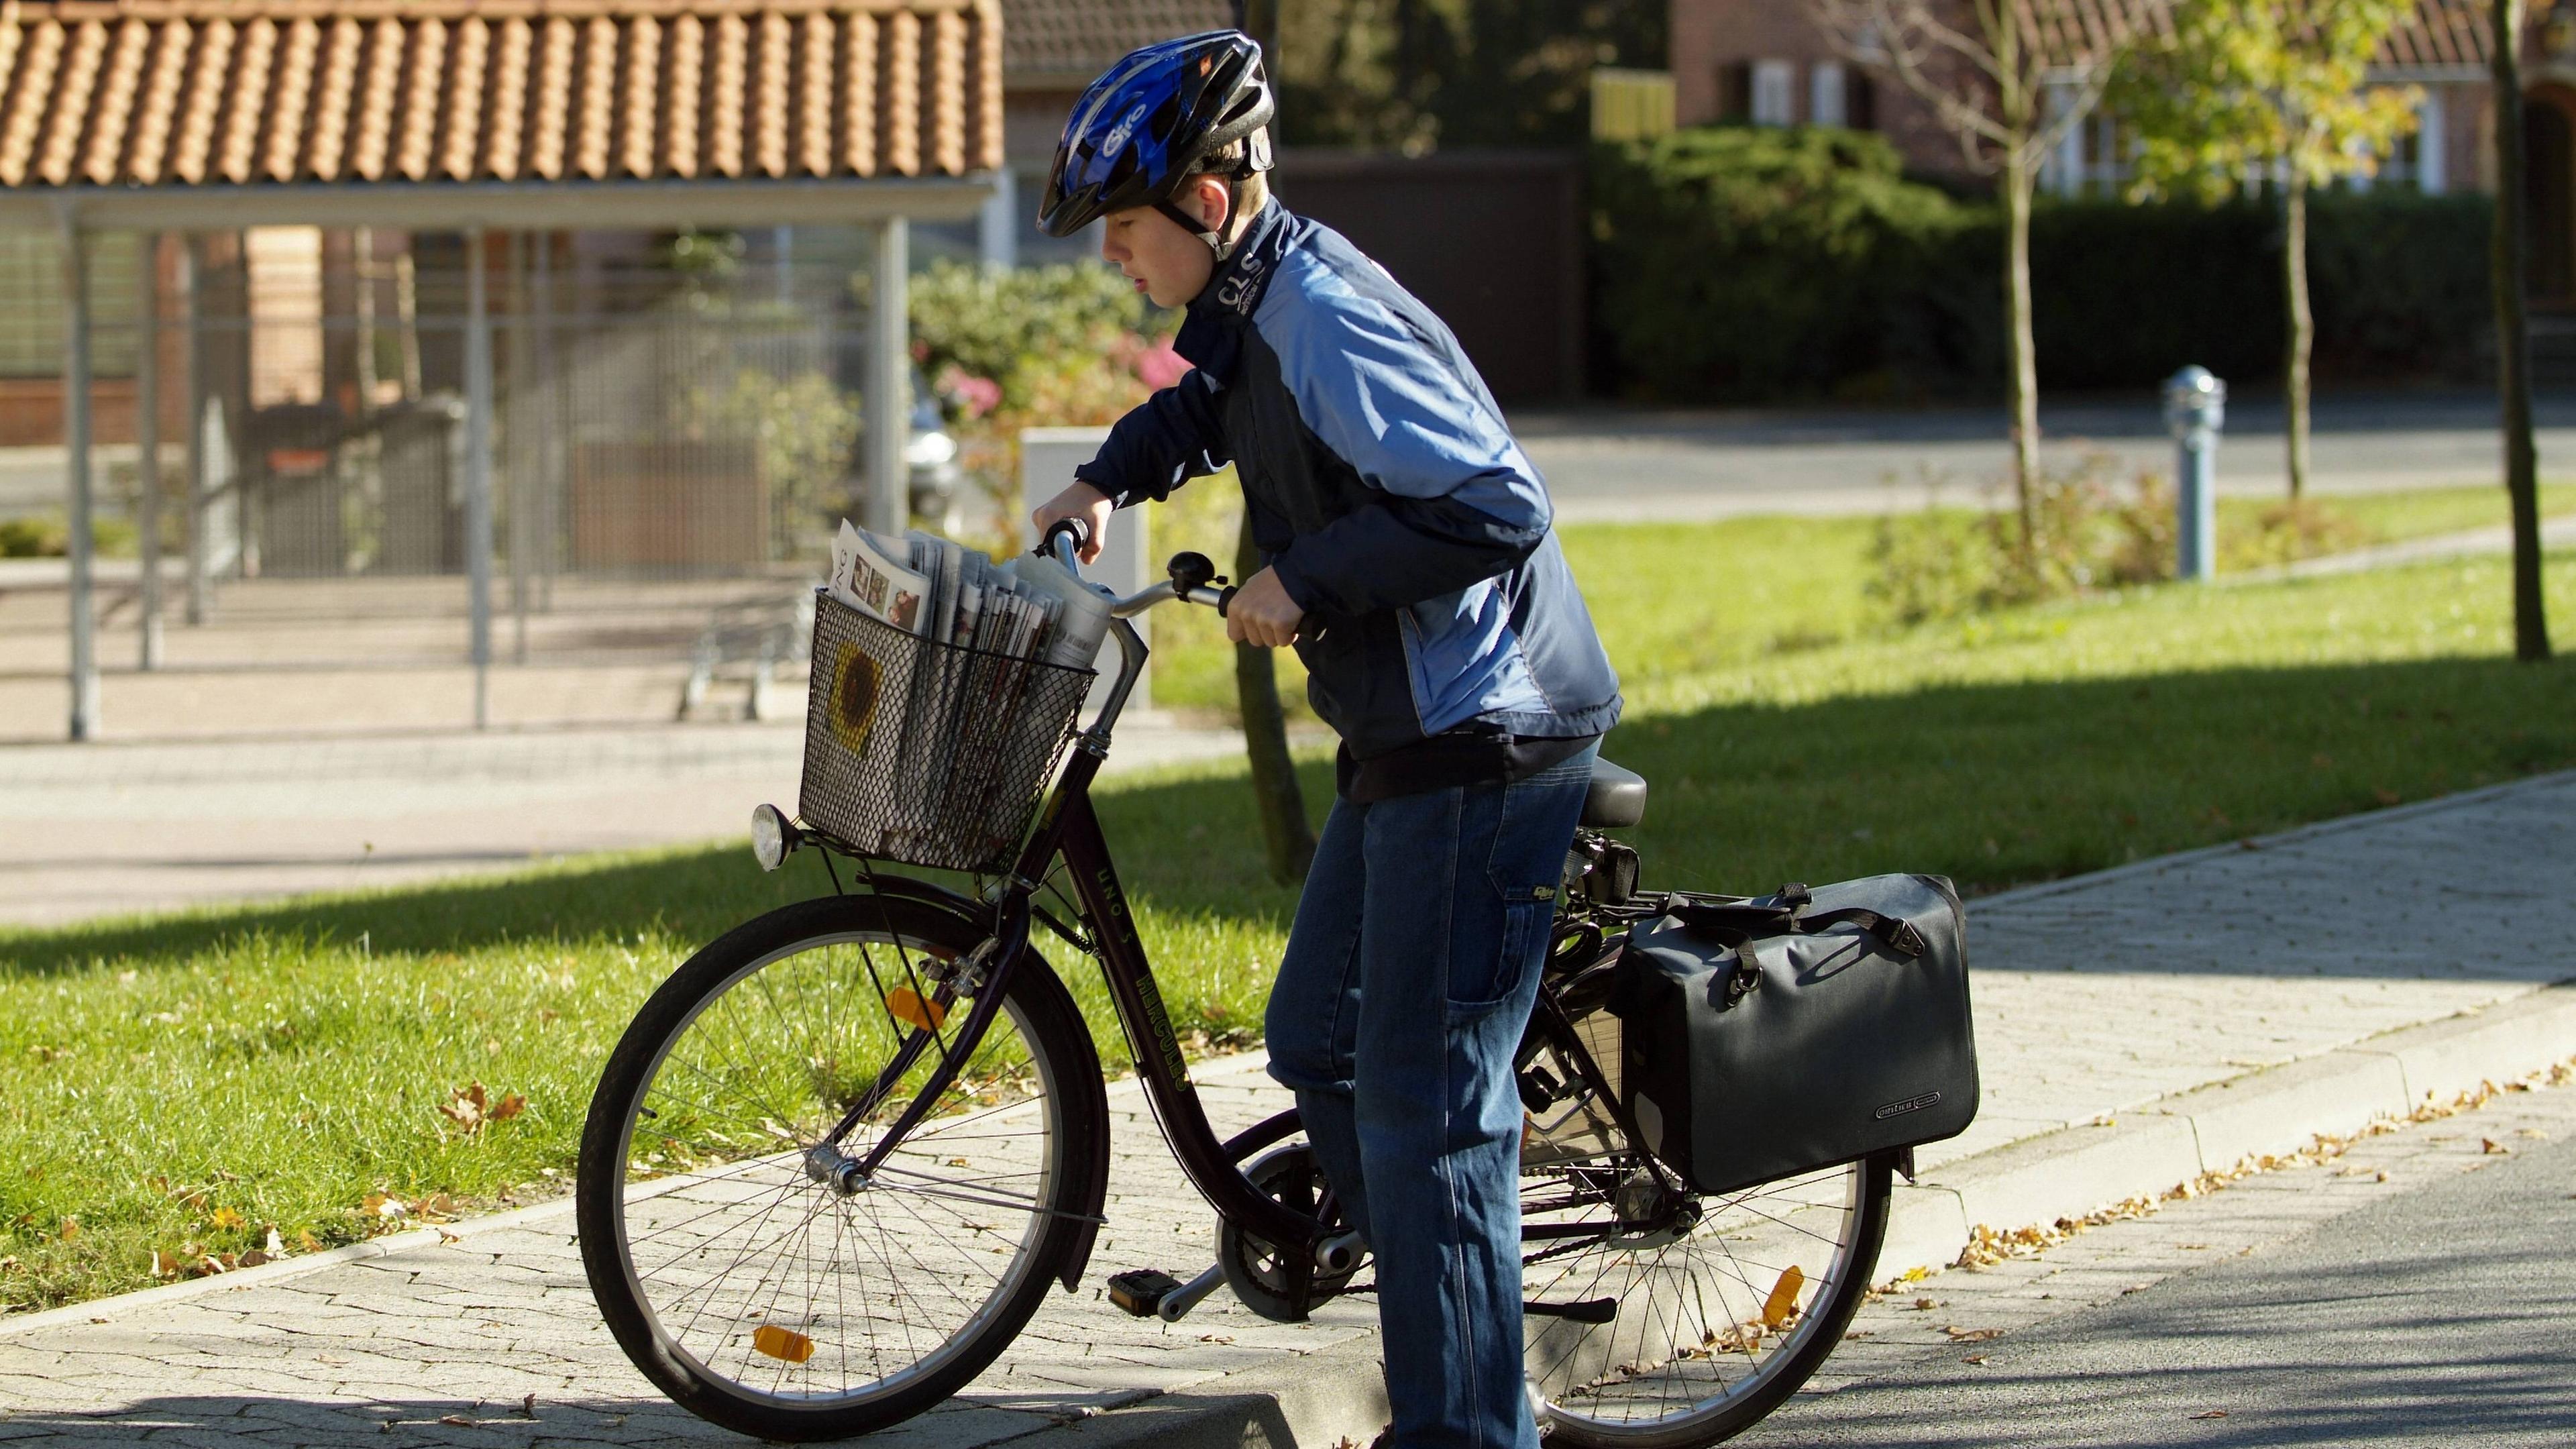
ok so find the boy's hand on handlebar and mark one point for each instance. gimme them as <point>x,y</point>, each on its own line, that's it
<point>1082,501</point>
<point>1262,613</point>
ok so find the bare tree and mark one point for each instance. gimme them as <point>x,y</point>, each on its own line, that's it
<point>2513,337</point>
<point>2009,87</point>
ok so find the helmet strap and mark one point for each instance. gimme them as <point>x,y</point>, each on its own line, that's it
<point>1216,240</point>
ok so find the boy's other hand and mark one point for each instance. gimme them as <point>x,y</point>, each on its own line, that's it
<point>1079,501</point>
<point>1263,614</point>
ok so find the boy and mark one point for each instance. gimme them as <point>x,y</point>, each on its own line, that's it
<point>1410,564</point>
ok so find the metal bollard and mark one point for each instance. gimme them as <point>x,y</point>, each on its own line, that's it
<point>2195,409</point>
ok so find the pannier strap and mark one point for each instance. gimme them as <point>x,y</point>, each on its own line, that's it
<point>1735,922</point>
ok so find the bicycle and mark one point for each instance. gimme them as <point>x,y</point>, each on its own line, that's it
<point>814,1200</point>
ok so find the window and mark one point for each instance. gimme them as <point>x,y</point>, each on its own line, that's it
<point>2093,159</point>
<point>1826,89</point>
<point>2417,158</point>
<point>1774,93</point>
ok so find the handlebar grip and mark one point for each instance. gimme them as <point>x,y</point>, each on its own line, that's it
<point>1079,530</point>
<point>1225,598</point>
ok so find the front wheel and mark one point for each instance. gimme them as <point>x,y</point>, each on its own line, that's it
<point>764,1291</point>
<point>1702,1313</point>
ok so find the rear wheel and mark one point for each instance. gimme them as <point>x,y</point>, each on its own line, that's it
<point>1703,1312</point>
<point>764,1291</point>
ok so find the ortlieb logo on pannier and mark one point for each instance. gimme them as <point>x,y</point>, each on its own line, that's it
<point>1774,1035</point>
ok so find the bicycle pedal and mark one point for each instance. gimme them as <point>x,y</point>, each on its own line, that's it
<point>1142,1291</point>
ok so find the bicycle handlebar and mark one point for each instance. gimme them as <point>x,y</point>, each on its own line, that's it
<point>1193,579</point>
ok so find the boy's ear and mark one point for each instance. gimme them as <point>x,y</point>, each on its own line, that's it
<point>1208,197</point>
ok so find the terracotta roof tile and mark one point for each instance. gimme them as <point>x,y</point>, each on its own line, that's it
<point>260,92</point>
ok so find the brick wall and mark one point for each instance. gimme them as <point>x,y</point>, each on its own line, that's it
<point>1714,44</point>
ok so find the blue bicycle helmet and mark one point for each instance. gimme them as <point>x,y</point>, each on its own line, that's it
<point>1154,120</point>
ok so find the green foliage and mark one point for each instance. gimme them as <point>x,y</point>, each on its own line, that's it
<point>2090,530</point>
<point>1017,325</point>
<point>2233,89</point>
<point>1745,265</point>
<point>1749,262</point>
<point>50,536</point>
<point>1412,75</point>
<point>804,429</point>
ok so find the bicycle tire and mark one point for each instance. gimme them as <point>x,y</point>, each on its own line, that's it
<point>703,1167</point>
<point>1707,1316</point>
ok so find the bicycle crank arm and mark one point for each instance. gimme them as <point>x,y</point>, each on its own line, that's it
<point>1180,1301</point>
<point>1591,1310</point>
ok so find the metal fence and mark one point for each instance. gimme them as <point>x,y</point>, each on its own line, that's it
<point>675,430</point>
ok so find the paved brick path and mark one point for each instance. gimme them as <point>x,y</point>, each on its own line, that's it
<point>2094,996</point>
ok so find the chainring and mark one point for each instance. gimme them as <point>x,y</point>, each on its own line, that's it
<point>1253,1266</point>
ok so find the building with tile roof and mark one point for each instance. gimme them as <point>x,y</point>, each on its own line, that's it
<point>449,140</point>
<point>1767,62</point>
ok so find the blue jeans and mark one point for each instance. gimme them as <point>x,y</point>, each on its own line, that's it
<point>1408,978</point>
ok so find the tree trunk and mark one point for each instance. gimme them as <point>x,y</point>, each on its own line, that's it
<point>1285,832</point>
<point>2303,330</point>
<point>2513,341</point>
<point>2018,177</point>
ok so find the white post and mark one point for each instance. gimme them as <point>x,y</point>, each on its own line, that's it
<point>147,448</point>
<point>889,382</point>
<point>192,381</point>
<point>76,450</point>
<point>997,226</point>
<point>478,475</point>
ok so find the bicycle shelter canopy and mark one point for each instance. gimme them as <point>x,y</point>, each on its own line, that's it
<point>480,116</point>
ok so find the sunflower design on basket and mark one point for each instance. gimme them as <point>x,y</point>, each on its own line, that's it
<point>856,689</point>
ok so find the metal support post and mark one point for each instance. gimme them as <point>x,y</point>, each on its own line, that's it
<point>551,414</point>
<point>478,474</point>
<point>997,226</point>
<point>522,440</point>
<point>147,449</point>
<point>889,382</point>
<point>2195,410</point>
<point>76,450</point>
<point>192,381</point>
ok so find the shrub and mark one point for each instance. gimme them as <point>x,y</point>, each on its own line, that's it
<point>1762,263</point>
<point>1743,264</point>
<point>2089,530</point>
<point>1018,327</point>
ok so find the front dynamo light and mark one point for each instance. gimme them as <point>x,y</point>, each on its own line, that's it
<point>772,838</point>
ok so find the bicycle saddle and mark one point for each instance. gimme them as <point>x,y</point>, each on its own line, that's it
<point>1617,797</point>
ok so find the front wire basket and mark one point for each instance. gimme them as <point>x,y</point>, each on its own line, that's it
<point>927,753</point>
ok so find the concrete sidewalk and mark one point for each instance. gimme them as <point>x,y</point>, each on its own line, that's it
<point>2136,1027</point>
<point>105,828</point>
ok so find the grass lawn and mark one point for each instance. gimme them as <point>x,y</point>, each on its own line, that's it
<point>180,1085</point>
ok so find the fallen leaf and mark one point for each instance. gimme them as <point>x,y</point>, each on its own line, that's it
<point>1926,1305</point>
<point>1970,1335</point>
<point>275,1247</point>
<point>2492,1147</point>
<point>1216,1338</point>
<point>1974,1358</point>
<point>528,1406</point>
<point>71,1230</point>
<point>224,1218</point>
<point>2211,1414</point>
<point>253,1258</point>
<point>459,1421</point>
<point>2384,795</point>
<point>465,1107</point>
<point>509,1107</point>
<point>1782,1305</point>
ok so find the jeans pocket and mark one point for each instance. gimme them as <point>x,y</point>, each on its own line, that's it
<point>1528,912</point>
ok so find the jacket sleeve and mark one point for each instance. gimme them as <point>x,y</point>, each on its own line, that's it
<point>1161,443</point>
<point>1458,502</point>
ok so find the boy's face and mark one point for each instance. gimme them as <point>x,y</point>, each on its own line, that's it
<point>1166,263</point>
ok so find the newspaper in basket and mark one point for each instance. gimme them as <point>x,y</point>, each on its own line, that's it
<point>927,753</point>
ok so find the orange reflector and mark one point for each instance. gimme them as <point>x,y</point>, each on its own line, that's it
<point>1782,1305</point>
<point>784,1343</point>
<point>910,1009</point>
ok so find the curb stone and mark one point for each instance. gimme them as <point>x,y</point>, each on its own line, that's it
<point>2077,1170</point>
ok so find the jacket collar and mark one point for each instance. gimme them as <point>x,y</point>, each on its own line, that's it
<point>1235,291</point>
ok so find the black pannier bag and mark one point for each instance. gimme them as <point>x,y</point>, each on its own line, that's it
<point>1775,1035</point>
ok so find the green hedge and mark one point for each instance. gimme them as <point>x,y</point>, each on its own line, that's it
<point>1738,264</point>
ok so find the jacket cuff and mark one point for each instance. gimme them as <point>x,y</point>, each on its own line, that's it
<point>1301,590</point>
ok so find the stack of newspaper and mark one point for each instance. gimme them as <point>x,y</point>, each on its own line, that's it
<point>937,723</point>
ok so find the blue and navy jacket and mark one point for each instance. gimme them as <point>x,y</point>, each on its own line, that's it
<point>1382,488</point>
